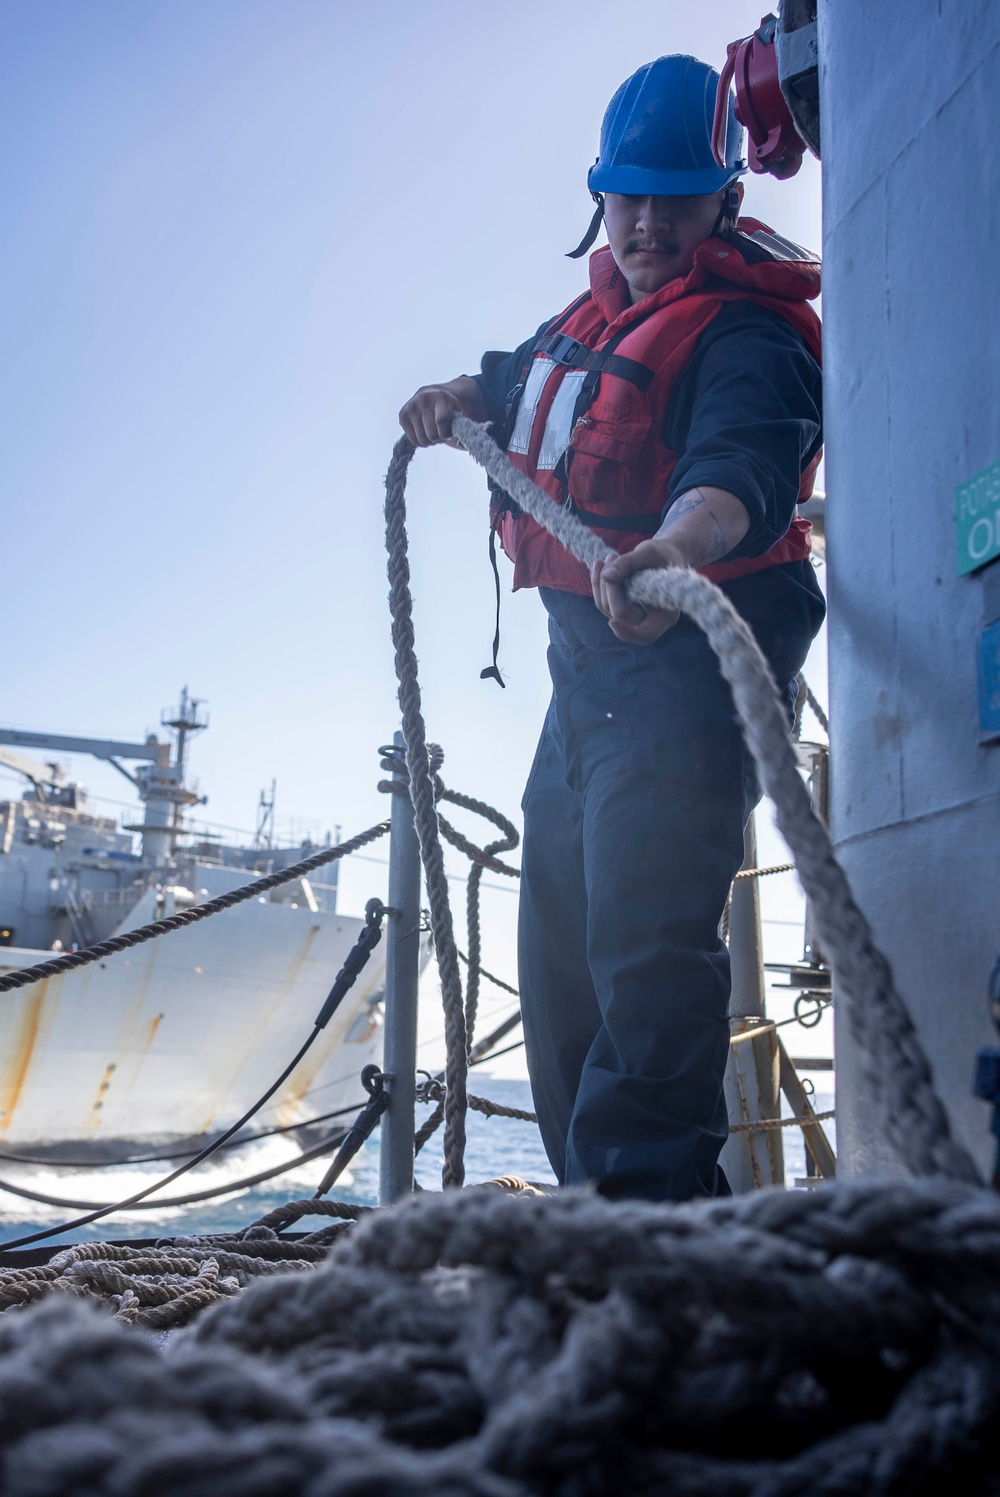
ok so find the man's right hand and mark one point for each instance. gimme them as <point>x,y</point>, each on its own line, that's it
<point>427,416</point>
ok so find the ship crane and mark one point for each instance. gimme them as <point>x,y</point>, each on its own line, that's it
<point>44,777</point>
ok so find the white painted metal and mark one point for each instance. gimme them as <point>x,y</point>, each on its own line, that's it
<point>177,1037</point>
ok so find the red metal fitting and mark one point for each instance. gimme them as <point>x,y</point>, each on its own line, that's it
<point>775,145</point>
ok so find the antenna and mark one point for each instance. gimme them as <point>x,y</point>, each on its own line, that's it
<point>263,837</point>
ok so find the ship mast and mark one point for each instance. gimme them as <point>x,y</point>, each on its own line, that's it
<point>159,781</point>
<point>185,722</point>
<point>263,837</point>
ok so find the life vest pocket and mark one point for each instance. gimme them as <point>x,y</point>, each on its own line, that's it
<point>609,465</point>
<point>616,441</point>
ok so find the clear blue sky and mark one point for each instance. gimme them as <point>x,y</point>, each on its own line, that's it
<point>235,237</point>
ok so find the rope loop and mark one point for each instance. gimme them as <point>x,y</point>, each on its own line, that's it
<point>484,857</point>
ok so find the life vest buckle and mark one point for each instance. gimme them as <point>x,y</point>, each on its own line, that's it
<point>563,349</point>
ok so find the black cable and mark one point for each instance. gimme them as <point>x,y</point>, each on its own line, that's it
<point>234,1143</point>
<point>341,1138</point>
<point>314,1091</point>
<point>354,962</point>
<point>140,1195</point>
<point>492,1055</point>
<point>483,1047</point>
<point>364,1125</point>
<point>476,1059</point>
<point>189,1200</point>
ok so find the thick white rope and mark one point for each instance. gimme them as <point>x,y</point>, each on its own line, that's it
<point>892,1055</point>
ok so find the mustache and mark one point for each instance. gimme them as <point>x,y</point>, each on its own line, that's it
<point>660,246</point>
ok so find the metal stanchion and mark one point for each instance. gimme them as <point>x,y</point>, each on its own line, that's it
<point>751,1160</point>
<point>402,971</point>
<point>745,950</point>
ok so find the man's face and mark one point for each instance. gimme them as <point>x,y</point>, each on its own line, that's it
<point>653,239</point>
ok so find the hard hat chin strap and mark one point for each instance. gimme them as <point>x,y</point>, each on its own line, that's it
<point>725,224</point>
<point>593,231</point>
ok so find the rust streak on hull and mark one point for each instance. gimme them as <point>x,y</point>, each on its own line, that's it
<point>102,1092</point>
<point>15,1069</point>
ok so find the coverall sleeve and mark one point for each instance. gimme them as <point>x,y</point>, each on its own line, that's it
<point>747,417</point>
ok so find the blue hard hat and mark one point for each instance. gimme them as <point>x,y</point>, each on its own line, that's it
<point>656,138</point>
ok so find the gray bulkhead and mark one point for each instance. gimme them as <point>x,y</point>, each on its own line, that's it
<point>911,182</point>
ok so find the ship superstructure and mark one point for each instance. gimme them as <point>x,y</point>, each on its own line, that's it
<point>172,1040</point>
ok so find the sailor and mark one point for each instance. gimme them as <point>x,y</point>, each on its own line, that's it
<point>675,406</point>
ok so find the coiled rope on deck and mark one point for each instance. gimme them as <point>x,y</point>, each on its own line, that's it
<point>167,1283</point>
<point>480,1344</point>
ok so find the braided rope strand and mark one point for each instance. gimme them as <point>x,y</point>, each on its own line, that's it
<point>817,710</point>
<point>425,815</point>
<point>765,872</point>
<point>892,1055</point>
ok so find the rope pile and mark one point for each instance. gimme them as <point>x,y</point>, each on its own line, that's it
<point>479,1344</point>
<point>165,1285</point>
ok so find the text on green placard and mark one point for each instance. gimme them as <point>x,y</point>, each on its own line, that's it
<point>977,519</point>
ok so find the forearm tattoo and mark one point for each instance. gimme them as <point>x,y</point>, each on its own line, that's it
<point>688,504</point>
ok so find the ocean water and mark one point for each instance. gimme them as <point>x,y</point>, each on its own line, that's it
<point>496,1146</point>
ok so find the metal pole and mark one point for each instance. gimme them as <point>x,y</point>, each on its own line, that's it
<point>745,952</point>
<point>751,1160</point>
<point>402,971</point>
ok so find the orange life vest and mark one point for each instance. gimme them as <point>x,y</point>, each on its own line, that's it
<point>586,420</point>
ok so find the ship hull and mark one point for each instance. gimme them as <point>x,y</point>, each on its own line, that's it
<point>176,1039</point>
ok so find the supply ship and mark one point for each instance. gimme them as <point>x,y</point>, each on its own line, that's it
<point>171,1041</point>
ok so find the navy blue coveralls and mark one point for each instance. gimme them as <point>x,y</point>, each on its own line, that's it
<point>639,793</point>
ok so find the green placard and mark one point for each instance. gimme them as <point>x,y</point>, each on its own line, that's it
<point>977,519</point>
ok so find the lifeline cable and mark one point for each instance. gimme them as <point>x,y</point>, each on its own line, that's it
<point>892,1055</point>
<point>364,1125</point>
<point>355,960</point>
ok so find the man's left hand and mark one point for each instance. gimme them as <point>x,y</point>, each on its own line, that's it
<point>631,622</point>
